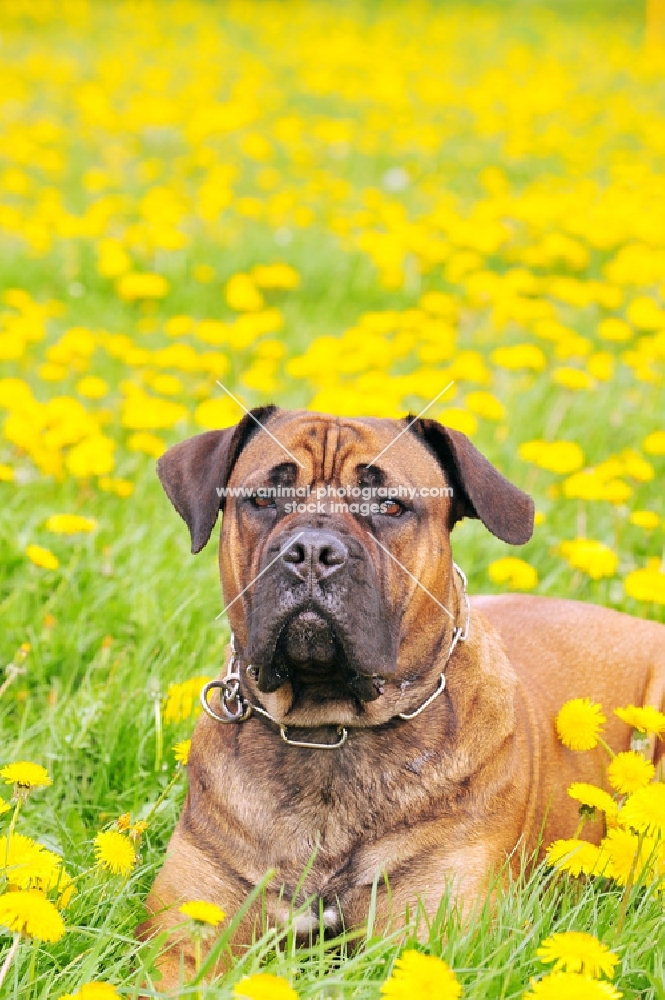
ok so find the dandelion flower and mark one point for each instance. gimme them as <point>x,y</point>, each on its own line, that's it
<point>646,584</point>
<point>590,556</point>
<point>31,913</point>
<point>182,700</point>
<point>26,775</point>
<point>519,356</point>
<point>124,822</point>
<point>26,864</point>
<point>579,724</point>
<point>242,295</point>
<point>593,798</point>
<point>69,524</point>
<point>644,519</point>
<point>264,986</point>
<point>181,751</point>
<point>563,457</point>
<point>203,912</point>
<point>517,573</point>
<point>138,830</point>
<point>115,851</point>
<point>4,806</point>
<point>621,849</point>
<point>630,771</point>
<point>647,718</point>
<point>575,951</point>
<point>133,286</point>
<point>92,387</point>
<point>418,975</point>
<point>93,991</point>
<point>571,986</point>
<point>645,810</point>
<point>42,557</point>
<point>577,857</point>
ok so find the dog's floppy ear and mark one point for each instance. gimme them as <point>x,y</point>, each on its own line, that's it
<point>192,471</point>
<point>479,490</point>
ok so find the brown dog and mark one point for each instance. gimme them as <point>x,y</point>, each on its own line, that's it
<point>352,628</point>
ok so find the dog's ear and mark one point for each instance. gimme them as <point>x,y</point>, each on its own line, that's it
<point>479,490</point>
<point>192,471</point>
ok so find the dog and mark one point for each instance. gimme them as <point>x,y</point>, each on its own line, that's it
<point>381,727</point>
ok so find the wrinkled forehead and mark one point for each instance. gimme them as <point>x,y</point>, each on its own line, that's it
<point>329,449</point>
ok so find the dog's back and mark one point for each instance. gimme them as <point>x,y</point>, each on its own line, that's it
<point>564,649</point>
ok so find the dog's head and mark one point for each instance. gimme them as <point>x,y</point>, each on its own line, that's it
<point>334,552</point>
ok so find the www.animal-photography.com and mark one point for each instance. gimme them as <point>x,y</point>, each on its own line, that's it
<point>332,530</point>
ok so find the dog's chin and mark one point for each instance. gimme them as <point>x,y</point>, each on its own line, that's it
<point>310,655</point>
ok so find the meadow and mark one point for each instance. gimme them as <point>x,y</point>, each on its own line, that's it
<point>344,207</point>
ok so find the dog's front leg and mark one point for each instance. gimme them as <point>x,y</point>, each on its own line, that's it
<point>187,865</point>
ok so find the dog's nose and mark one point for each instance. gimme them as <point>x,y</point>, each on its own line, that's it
<point>316,554</point>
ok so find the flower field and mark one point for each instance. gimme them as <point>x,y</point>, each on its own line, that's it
<point>343,207</point>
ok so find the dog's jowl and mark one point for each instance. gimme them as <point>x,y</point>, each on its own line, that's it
<point>373,718</point>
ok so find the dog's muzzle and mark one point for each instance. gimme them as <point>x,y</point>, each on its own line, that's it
<point>319,616</point>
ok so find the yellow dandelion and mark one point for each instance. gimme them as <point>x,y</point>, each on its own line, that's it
<point>577,857</point>
<point>93,991</point>
<point>69,524</point>
<point>590,556</point>
<point>644,811</point>
<point>417,975</point>
<point>92,387</point>
<point>644,519</point>
<point>646,718</point>
<point>563,457</point>
<point>32,914</point>
<point>242,294</point>
<point>517,573</point>
<point>575,951</point>
<point>182,700</point>
<point>181,751</point>
<point>203,912</point>
<point>571,986</point>
<point>630,771</point>
<point>133,286</point>
<point>147,443</point>
<point>26,775</point>
<point>593,798</point>
<point>28,865</point>
<point>646,584</point>
<point>264,986</point>
<point>621,848</point>
<point>138,830</point>
<point>4,806</point>
<point>42,557</point>
<point>115,852</point>
<point>579,724</point>
<point>124,822</point>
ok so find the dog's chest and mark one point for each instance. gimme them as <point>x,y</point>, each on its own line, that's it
<point>340,817</point>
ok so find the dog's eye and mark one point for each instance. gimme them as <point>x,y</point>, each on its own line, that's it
<point>393,508</point>
<point>262,502</point>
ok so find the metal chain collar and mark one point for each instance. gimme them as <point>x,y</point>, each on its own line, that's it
<point>237,708</point>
